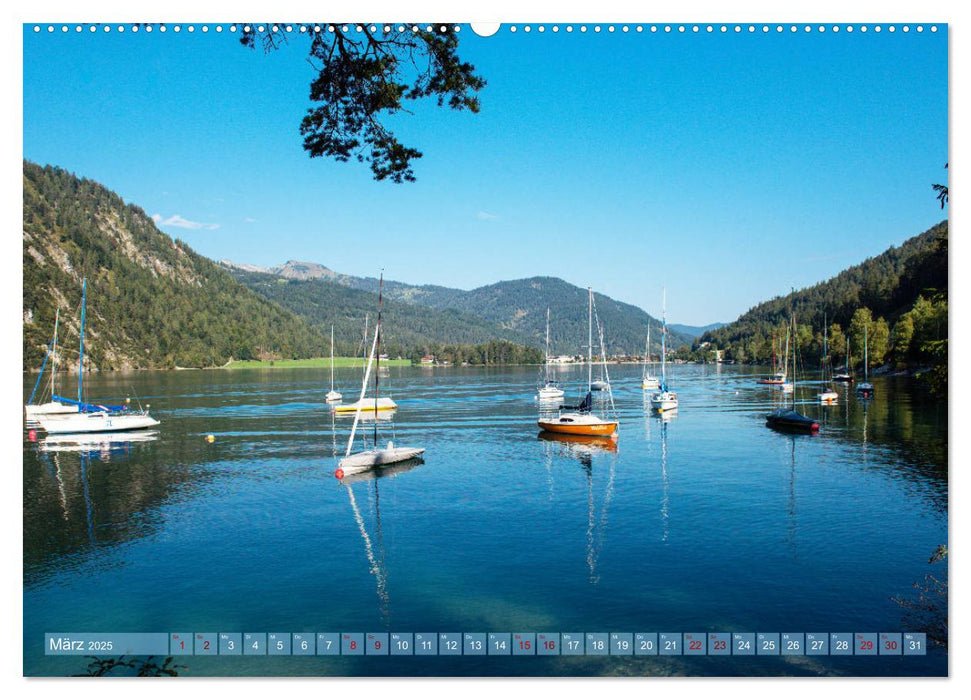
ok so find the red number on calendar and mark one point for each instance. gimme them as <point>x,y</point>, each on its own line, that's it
<point>695,644</point>
<point>890,644</point>
<point>377,644</point>
<point>866,646</point>
<point>549,645</point>
<point>719,646</point>
<point>524,644</point>
<point>353,645</point>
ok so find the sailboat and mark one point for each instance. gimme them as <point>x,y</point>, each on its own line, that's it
<point>648,380</point>
<point>375,457</point>
<point>370,408</point>
<point>865,388</point>
<point>580,419</point>
<point>549,391</point>
<point>789,418</point>
<point>90,417</point>
<point>828,395</point>
<point>332,396</point>
<point>51,407</point>
<point>845,375</point>
<point>665,399</point>
<point>777,376</point>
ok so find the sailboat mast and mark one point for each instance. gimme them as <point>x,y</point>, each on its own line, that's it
<point>590,338</point>
<point>547,372</point>
<point>57,317</point>
<point>332,357</point>
<point>664,336</point>
<point>84,296</point>
<point>825,350</point>
<point>793,360</point>
<point>866,357</point>
<point>377,357</point>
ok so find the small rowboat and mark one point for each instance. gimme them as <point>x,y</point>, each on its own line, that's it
<point>779,378</point>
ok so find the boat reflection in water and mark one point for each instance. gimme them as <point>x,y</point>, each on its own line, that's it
<point>585,448</point>
<point>100,444</point>
<point>374,548</point>
<point>391,470</point>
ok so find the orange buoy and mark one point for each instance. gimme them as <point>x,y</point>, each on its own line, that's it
<point>32,435</point>
<point>339,473</point>
<point>210,438</point>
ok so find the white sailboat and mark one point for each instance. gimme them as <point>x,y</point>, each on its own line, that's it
<point>549,391</point>
<point>92,417</point>
<point>648,378</point>
<point>665,399</point>
<point>375,457</point>
<point>865,388</point>
<point>332,396</point>
<point>52,407</point>
<point>828,395</point>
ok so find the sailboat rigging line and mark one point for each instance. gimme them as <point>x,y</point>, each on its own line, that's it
<point>377,357</point>
<point>367,376</point>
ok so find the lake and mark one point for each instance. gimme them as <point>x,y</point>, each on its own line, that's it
<point>703,521</point>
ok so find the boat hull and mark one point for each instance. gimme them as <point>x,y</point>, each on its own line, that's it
<point>651,384</point>
<point>333,397</point>
<point>828,397</point>
<point>665,401</point>
<point>549,394</point>
<point>97,423</point>
<point>589,429</point>
<point>790,420</point>
<point>367,406</point>
<point>369,459</point>
<point>51,408</point>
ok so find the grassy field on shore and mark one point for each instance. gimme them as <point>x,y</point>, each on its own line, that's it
<point>312,362</point>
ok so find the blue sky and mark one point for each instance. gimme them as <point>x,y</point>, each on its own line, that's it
<point>728,167</point>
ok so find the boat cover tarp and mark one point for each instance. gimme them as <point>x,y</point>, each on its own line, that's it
<point>584,406</point>
<point>91,407</point>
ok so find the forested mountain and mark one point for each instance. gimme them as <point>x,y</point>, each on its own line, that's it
<point>152,301</point>
<point>406,327</point>
<point>899,297</point>
<point>517,307</point>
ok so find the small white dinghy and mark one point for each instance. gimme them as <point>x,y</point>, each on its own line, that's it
<point>375,457</point>
<point>332,396</point>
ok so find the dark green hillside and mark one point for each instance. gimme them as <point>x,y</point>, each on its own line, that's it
<point>520,306</point>
<point>407,327</point>
<point>899,296</point>
<point>152,301</point>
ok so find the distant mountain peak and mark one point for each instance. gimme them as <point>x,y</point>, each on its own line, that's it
<point>300,270</point>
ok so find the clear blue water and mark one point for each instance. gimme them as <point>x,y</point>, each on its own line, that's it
<point>706,521</point>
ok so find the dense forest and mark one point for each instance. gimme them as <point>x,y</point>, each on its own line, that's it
<point>152,301</point>
<point>898,300</point>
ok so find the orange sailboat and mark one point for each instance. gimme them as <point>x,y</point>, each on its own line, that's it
<point>579,419</point>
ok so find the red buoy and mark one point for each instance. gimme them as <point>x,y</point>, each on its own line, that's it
<point>32,435</point>
<point>339,473</point>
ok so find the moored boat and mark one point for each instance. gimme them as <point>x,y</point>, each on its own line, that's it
<point>788,418</point>
<point>664,399</point>
<point>375,456</point>
<point>580,419</point>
